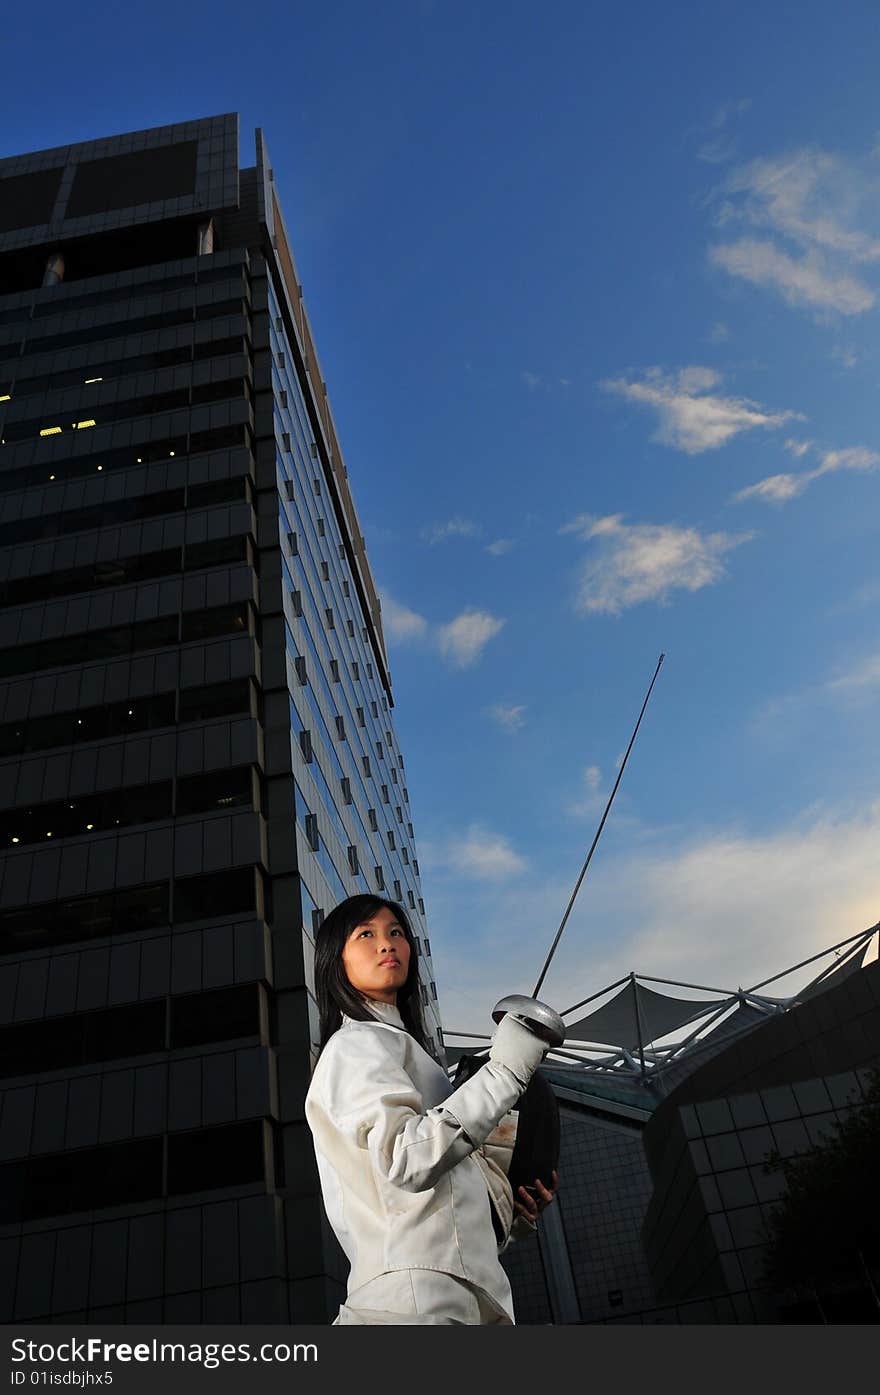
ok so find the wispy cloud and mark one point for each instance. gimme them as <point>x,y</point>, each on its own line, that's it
<point>846,357</point>
<point>858,681</point>
<point>399,623</point>
<point>720,145</point>
<point>815,202</point>
<point>851,458</point>
<point>452,528</point>
<point>691,417</point>
<point>507,717</point>
<point>852,684</point>
<point>810,195</point>
<point>459,641</point>
<point>775,489</point>
<point>719,333</point>
<point>590,798</point>
<point>744,886</point>
<point>868,594</point>
<point>779,489</point>
<point>805,281</point>
<point>500,546</point>
<point>726,907</point>
<point>484,856</point>
<point>378,534</point>
<point>533,381</point>
<point>638,562</point>
<point>462,640</point>
<point>796,448</point>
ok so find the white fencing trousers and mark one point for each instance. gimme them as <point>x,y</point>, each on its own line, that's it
<point>423,1296</point>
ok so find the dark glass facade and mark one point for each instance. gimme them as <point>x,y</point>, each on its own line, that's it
<point>781,1090</point>
<point>197,747</point>
<point>664,1199</point>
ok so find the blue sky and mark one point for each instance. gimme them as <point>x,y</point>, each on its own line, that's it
<point>595,292</point>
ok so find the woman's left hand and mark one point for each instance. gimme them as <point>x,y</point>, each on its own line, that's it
<point>531,1204</point>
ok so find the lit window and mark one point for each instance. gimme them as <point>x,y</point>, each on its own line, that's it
<point>81,425</point>
<point>5,397</point>
<point>94,380</point>
<point>51,431</point>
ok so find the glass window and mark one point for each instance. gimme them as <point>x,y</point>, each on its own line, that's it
<point>223,1015</point>
<point>221,893</point>
<point>140,907</point>
<point>215,700</point>
<point>58,1183</point>
<point>220,620</point>
<point>39,1046</point>
<point>221,1157</point>
<point>218,789</point>
<point>132,1030</point>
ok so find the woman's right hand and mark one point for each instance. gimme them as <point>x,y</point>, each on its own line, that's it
<point>515,1047</point>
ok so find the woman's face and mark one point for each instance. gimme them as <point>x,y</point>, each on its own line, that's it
<point>376,957</point>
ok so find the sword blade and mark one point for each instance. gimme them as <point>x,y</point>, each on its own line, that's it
<point>583,872</point>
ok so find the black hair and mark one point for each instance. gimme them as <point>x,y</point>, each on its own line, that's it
<point>334,992</point>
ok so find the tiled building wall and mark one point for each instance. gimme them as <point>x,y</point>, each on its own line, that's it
<point>125,417</point>
<point>604,1191</point>
<point>704,1231</point>
<point>82,980</point>
<point>155,461</point>
<point>214,1262</point>
<point>353,821</point>
<point>524,1266</point>
<point>604,1188</point>
<point>708,1141</point>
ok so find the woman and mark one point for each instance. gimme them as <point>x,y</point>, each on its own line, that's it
<point>405,1189</point>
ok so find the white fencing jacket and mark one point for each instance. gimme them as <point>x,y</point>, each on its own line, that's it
<point>394,1147</point>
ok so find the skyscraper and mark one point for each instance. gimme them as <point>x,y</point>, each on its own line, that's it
<point>197,750</point>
